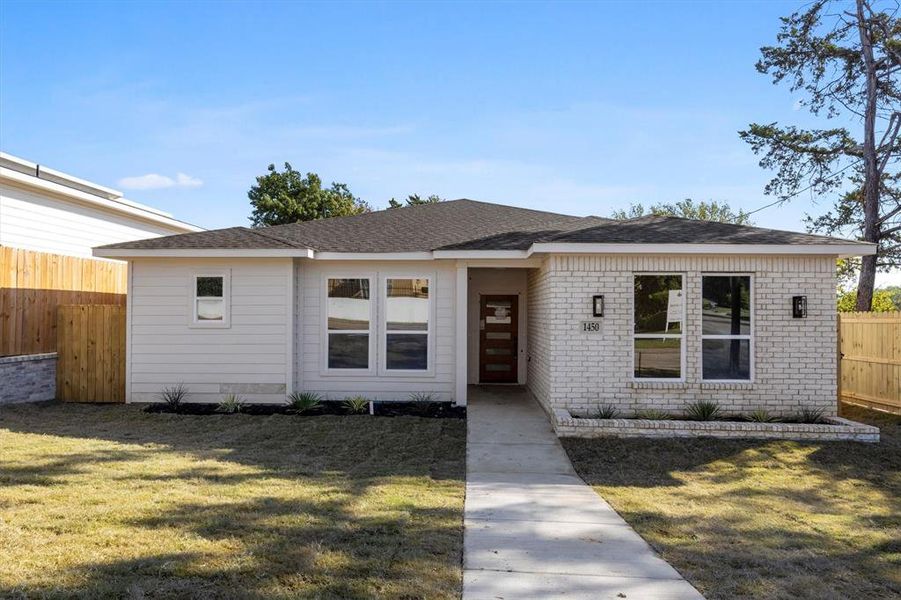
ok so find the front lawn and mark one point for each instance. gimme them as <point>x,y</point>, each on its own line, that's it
<point>758,519</point>
<point>109,501</point>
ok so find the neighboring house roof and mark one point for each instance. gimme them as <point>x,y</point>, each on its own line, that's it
<point>23,173</point>
<point>467,226</point>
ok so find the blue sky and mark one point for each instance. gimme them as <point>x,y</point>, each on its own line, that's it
<point>579,108</point>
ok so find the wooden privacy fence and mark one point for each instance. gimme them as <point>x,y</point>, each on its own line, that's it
<point>870,364</point>
<point>91,353</point>
<point>33,284</point>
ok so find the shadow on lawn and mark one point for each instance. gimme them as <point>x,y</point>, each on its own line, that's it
<point>292,549</point>
<point>740,557</point>
<point>296,444</point>
<point>325,507</point>
<point>759,519</point>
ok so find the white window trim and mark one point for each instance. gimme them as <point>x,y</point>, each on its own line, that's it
<point>373,326</point>
<point>679,336</point>
<point>750,336</point>
<point>384,371</point>
<point>225,323</point>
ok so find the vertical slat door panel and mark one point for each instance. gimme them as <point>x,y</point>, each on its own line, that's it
<point>91,351</point>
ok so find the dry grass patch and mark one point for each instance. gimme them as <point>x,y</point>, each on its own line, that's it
<point>758,519</point>
<point>108,501</point>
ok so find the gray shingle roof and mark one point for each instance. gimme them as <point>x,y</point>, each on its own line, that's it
<point>470,225</point>
<point>676,230</point>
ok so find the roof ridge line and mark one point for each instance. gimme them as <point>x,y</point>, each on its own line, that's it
<point>276,238</point>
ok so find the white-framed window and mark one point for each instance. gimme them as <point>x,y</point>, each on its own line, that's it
<point>349,319</point>
<point>727,342</point>
<point>658,322</point>
<point>210,299</point>
<point>407,317</point>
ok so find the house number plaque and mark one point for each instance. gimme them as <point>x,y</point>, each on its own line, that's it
<point>591,327</point>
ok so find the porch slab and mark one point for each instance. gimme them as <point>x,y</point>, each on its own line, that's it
<point>533,529</point>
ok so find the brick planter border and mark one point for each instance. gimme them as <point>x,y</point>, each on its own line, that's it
<point>834,429</point>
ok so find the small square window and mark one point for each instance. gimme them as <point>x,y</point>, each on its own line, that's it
<point>209,302</point>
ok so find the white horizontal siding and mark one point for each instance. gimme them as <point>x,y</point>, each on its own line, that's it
<point>49,224</point>
<point>309,372</point>
<point>164,350</point>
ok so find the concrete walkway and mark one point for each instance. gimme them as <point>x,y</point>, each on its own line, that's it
<point>533,528</point>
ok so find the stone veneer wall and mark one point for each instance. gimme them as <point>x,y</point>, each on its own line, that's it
<point>794,359</point>
<point>27,378</point>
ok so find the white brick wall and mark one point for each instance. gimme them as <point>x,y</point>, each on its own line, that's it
<point>794,358</point>
<point>539,298</point>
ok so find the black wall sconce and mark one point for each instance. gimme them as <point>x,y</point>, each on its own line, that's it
<point>799,307</point>
<point>597,305</point>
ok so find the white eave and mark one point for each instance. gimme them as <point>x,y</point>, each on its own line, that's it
<point>840,250</point>
<point>22,173</point>
<point>122,253</point>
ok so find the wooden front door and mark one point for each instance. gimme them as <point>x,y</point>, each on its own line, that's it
<point>498,318</point>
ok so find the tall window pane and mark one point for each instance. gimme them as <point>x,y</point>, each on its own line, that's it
<point>658,304</point>
<point>407,305</point>
<point>407,324</point>
<point>726,327</point>
<point>348,310</point>
<point>727,305</point>
<point>659,314</point>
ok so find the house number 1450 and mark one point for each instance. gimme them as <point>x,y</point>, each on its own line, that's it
<point>591,327</point>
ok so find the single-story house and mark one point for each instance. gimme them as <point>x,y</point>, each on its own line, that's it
<point>649,312</point>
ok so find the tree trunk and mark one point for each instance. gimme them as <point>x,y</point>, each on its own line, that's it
<point>871,172</point>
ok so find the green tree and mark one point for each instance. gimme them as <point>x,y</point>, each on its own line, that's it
<point>702,211</point>
<point>415,200</point>
<point>882,301</point>
<point>894,291</point>
<point>846,64</point>
<point>289,197</point>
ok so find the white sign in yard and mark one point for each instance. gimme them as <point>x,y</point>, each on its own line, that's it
<point>674,308</point>
<point>590,327</point>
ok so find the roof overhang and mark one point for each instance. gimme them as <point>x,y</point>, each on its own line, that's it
<point>119,206</point>
<point>840,250</point>
<point>125,253</point>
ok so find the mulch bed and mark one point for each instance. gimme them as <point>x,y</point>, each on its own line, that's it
<point>430,410</point>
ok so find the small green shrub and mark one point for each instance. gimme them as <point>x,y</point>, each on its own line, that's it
<point>356,405</point>
<point>810,415</point>
<point>651,414</point>
<point>702,410</point>
<point>231,404</point>
<point>606,411</point>
<point>174,396</point>
<point>760,416</point>
<point>301,402</point>
<point>421,397</point>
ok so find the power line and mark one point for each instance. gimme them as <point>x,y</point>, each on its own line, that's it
<point>789,197</point>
